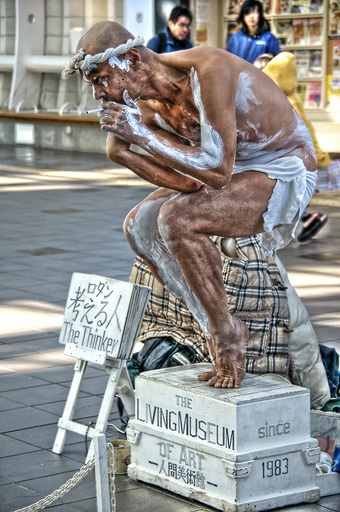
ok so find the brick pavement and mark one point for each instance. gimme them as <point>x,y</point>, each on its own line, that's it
<point>62,212</point>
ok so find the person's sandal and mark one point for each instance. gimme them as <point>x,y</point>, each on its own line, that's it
<point>311,226</point>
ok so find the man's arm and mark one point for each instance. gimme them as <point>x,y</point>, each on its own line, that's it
<point>205,164</point>
<point>147,167</point>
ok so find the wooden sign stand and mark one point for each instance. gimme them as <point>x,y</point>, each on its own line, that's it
<point>119,382</point>
<point>101,323</point>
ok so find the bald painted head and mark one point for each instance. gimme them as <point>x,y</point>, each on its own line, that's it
<point>104,41</point>
<point>103,35</point>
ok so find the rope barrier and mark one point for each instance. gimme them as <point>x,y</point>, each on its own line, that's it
<point>73,481</point>
<point>112,486</point>
<point>65,488</point>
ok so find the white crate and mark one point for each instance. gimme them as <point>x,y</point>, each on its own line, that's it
<point>235,463</point>
<point>262,413</point>
<point>255,481</point>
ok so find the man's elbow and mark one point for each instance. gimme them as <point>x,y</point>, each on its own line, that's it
<point>221,182</point>
<point>218,180</point>
<point>111,154</point>
<point>115,149</point>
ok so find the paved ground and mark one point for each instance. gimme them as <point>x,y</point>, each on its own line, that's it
<point>61,213</point>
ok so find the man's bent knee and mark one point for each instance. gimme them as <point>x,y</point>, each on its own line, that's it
<point>172,223</point>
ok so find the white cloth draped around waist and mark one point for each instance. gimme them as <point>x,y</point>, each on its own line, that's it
<point>291,195</point>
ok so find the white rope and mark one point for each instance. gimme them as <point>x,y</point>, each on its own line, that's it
<point>112,477</point>
<point>66,487</point>
<point>73,481</point>
<point>90,60</point>
<point>85,63</point>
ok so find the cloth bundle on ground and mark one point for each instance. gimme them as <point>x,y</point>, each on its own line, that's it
<point>325,427</point>
<point>257,294</point>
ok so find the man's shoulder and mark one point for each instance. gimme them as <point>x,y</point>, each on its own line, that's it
<point>208,59</point>
<point>204,59</point>
<point>208,54</point>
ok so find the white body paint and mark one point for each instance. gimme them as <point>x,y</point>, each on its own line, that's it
<point>139,231</point>
<point>121,64</point>
<point>250,153</point>
<point>245,97</point>
<point>211,141</point>
<point>144,234</point>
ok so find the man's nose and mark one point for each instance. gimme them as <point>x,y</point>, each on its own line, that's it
<point>98,92</point>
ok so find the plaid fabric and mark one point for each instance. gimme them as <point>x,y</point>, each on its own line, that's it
<point>329,177</point>
<point>256,295</point>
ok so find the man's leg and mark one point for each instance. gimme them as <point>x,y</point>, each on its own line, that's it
<point>141,230</point>
<point>171,231</point>
<point>185,223</point>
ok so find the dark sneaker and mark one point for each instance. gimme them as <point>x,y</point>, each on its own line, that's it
<point>306,214</point>
<point>312,226</point>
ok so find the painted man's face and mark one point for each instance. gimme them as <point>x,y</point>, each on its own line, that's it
<point>108,82</point>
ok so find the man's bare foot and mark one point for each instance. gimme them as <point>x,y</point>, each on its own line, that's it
<point>208,375</point>
<point>230,358</point>
<point>212,372</point>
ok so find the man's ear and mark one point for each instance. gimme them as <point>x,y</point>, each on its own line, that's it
<point>133,56</point>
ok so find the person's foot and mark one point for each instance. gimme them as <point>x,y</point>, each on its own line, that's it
<point>313,222</point>
<point>207,375</point>
<point>229,365</point>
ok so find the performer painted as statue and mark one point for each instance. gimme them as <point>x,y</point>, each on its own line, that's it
<point>230,157</point>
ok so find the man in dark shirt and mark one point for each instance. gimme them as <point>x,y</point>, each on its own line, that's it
<point>175,37</point>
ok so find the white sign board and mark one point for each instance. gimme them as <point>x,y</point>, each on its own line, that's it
<point>102,317</point>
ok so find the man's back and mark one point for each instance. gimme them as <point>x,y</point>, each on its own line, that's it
<point>243,100</point>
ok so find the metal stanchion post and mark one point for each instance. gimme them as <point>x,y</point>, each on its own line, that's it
<point>101,474</point>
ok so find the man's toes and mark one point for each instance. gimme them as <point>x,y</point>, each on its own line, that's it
<point>218,383</point>
<point>213,380</point>
<point>237,383</point>
<point>224,382</point>
<point>227,382</point>
<point>207,375</point>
